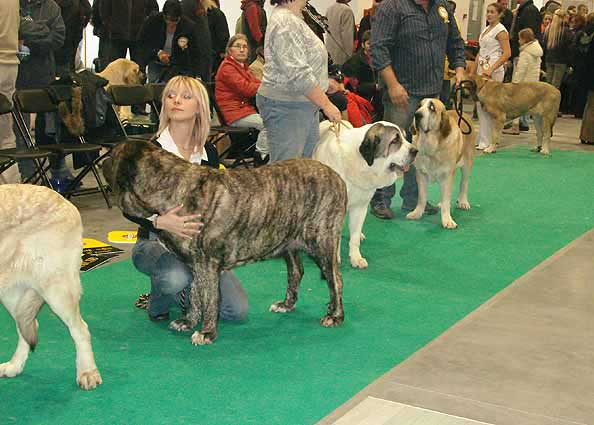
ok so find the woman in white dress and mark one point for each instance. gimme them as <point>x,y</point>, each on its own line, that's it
<point>493,53</point>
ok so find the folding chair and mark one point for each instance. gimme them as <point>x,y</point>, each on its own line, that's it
<point>10,156</point>
<point>243,139</point>
<point>129,95</point>
<point>156,90</point>
<point>39,102</point>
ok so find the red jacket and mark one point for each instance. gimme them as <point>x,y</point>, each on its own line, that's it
<point>235,88</point>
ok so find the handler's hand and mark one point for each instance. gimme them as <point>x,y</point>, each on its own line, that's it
<point>459,75</point>
<point>398,95</point>
<point>332,112</point>
<point>184,226</point>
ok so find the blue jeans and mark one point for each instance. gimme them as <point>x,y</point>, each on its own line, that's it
<point>293,128</point>
<point>402,117</point>
<point>169,277</point>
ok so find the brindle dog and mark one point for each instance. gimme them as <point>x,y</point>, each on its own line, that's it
<point>248,215</point>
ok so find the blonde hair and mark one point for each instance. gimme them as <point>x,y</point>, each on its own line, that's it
<point>232,40</point>
<point>202,120</point>
<point>208,4</point>
<point>554,31</point>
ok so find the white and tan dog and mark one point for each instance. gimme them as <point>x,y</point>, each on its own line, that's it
<point>442,148</point>
<point>123,72</point>
<point>366,158</point>
<point>41,246</point>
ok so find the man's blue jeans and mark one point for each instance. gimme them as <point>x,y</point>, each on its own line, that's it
<point>402,117</point>
<point>169,277</point>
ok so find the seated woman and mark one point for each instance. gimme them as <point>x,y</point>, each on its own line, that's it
<point>235,90</point>
<point>171,46</point>
<point>183,130</point>
<point>358,69</point>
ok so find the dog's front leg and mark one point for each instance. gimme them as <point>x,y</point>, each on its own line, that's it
<point>294,275</point>
<point>446,184</point>
<point>422,183</point>
<point>357,215</point>
<point>496,128</point>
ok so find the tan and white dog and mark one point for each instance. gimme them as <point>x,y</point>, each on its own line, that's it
<point>366,158</point>
<point>442,148</point>
<point>41,246</point>
<point>123,72</point>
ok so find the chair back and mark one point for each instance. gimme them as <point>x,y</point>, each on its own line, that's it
<point>35,101</point>
<point>128,95</point>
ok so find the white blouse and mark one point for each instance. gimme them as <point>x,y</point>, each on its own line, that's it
<point>490,51</point>
<point>167,143</point>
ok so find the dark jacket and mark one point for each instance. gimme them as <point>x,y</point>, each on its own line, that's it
<point>219,33</point>
<point>76,15</point>
<point>122,19</point>
<point>528,17</point>
<point>254,23</point>
<point>188,60</point>
<point>562,52</point>
<point>358,67</point>
<point>507,19</point>
<point>192,9</point>
<point>42,30</point>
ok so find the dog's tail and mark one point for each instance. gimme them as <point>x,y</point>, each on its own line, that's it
<point>27,310</point>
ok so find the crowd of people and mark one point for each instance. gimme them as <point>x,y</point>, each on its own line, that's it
<point>280,74</point>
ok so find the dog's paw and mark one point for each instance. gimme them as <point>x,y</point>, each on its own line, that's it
<point>281,307</point>
<point>89,380</point>
<point>359,263</point>
<point>463,204</point>
<point>201,339</point>
<point>181,325</point>
<point>490,149</point>
<point>415,214</point>
<point>545,151</point>
<point>10,370</point>
<point>448,223</point>
<point>362,236</point>
<point>329,321</point>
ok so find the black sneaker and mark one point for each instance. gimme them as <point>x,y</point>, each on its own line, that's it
<point>524,127</point>
<point>383,212</point>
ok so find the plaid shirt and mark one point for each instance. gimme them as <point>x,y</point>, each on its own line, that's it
<point>415,43</point>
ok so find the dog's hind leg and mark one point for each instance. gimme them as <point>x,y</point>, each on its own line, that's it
<point>62,294</point>
<point>323,252</point>
<point>294,275</point>
<point>14,300</point>
<point>446,198</point>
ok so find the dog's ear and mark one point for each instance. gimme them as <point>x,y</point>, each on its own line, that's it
<point>371,143</point>
<point>413,128</point>
<point>445,127</point>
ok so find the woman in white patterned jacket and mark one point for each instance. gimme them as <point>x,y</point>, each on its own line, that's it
<point>294,84</point>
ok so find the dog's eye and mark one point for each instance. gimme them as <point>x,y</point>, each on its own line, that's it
<point>432,107</point>
<point>392,166</point>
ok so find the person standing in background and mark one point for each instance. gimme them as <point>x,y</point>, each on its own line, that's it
<point>295,80</point>
<point>42,32</point>
<point>507,17</point>
<point>365,23</point>
<point>494,51</point>
<point>340,41</point>
<point>195,12</point>
<point>219,32</point>
<point>9,66</point>
<point>253,24</point>
<point>76,15</point>
<point>409,43</point>
<point>122,20</point>
<point>558,41</point>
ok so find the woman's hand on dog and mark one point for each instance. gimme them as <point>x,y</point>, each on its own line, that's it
<point>184,226</point>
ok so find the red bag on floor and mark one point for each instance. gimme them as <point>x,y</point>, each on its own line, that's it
<point>359,110</point>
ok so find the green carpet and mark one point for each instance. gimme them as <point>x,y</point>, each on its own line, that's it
<point>287,369</point>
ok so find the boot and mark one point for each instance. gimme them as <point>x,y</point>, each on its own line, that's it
<point>515,129</point>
